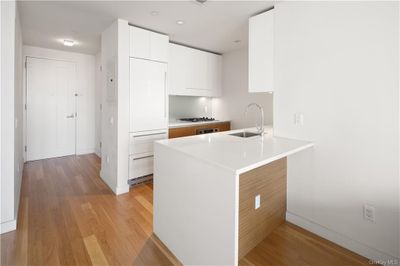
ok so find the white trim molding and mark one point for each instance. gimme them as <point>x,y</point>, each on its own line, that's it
<point>8,226</point>
<point>339,239</point>
<point>85,151</point>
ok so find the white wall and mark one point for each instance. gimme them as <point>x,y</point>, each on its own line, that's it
<point>7,120</point>
<point>115,102</point>
<point>1,119</point>
<point>19,114</point>
<point>109,52</point>
<point>98,102</point>
<point>123,106</point>
<point>11,115</point>
<point>337,63</point>
<point>85,130</point>
<point>235,95</point>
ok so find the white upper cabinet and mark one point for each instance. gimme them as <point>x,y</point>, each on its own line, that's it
<point>194,72</point>
<point>214,63</point>
<point>148,45</point>
<point>261,52</point>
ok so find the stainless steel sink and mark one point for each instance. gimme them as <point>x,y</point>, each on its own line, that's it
<point>245,134</point>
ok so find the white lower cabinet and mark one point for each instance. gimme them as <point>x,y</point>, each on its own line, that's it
<point>141,150</point>
<point>140,166</point>
<point>144,144</point>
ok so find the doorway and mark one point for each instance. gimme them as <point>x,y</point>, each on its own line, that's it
<point>50,109</point>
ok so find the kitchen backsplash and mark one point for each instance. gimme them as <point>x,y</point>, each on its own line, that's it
<point>189,106</point>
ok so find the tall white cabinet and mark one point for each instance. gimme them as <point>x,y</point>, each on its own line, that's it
<point>148,94</point>
<point>261,52</point>
<point>148,99</point>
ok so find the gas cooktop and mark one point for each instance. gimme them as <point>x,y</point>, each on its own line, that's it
<point>197,119</point>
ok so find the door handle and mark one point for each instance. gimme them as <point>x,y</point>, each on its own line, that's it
<point>70,116</point>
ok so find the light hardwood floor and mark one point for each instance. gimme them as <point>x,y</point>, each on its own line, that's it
<point>68,216</point>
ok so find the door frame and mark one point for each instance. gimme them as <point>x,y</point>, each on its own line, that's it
<point>25,100</point>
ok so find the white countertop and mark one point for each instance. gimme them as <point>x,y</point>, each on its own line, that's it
<point>236,153</point>
<point>178,123</point>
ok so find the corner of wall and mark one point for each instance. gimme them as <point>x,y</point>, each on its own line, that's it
<point>8,226</point>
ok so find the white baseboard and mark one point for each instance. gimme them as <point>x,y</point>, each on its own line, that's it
<point>117,190</point>
<point>341,240</point>
<point>8,226</point>
<point>98,152</point>
<point>85,151</point>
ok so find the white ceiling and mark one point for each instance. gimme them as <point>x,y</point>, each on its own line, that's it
<point>213,26</point>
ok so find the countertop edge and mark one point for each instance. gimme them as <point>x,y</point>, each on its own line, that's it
<point>275,158</point>
<point>198,158</point>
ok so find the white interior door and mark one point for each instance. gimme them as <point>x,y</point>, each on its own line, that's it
<point>51,107</point>
<point>148,95</point>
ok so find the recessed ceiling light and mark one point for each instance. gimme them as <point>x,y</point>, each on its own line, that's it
<point>69,43</point>
<point>154,13</point>
<point>180,22</point>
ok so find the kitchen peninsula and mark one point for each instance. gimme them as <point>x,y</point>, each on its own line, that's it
<point>216,196</point>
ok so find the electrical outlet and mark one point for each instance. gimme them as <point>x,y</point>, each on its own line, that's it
<point>257,202</point>
<point>369,213</point>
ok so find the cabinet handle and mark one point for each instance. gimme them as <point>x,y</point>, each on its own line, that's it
<point>143,157</point>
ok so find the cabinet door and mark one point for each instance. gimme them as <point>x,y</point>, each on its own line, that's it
<point>194,72</point>
<point>261,51</point>
<point>179,72</point>
<point>199,73</point>
<point>159,47</point>
<point>139,167</point>
<point>144,144</point>
<point>148,95</point>
<point>139,43</point>
<point>214,74</point>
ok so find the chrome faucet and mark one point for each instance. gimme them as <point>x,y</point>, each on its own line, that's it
<point>260,128</point>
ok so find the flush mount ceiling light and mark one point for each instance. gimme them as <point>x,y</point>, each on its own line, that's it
<point>69,43</point>
<point>237,41</point>
<point>180,22</point>
<point>154,13</point>
<point>201,1</point>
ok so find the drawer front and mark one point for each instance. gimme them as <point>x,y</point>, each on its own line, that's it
<point>144,144</point>
<point>140,166</point>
